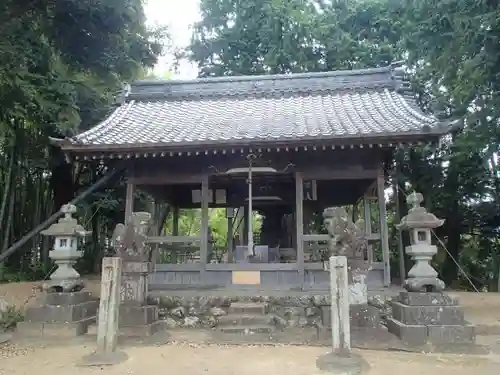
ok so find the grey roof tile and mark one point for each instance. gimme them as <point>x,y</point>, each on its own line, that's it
<point>348,104</point>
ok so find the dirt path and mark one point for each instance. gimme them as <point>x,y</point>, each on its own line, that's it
<point>217,360</point>
<point>190,359</point>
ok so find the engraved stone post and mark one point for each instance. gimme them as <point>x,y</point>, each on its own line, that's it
<point>136,317</point>
<point>341,360</point>
<point>421,277</point>
<point>136,264</point>
<point>339,291</point>
<point>107,328</point>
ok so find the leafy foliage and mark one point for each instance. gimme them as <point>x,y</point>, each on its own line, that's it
<point>61,64</point>
<point>452,49</point>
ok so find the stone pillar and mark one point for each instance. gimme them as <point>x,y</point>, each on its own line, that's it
<point>66,309</point>
<point>136,318</point>
<point>339,292</point>
<point>107,329</point>
<point>424,315</point>
<point>341,360</point>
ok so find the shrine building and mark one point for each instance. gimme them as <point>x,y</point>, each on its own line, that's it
<point>278,147</point>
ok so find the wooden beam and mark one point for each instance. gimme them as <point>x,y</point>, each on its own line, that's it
<point>299,222</point>
<point>173,239</point>
<point>325,173</point>
<point>384,233</point>
<point>168,178</point>
<point>204,227</point>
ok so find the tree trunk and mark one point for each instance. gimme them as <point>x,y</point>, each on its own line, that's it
<point>61,180</point>
<point>450,269</point>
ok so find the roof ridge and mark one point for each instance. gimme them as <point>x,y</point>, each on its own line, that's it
<point>265,77</point>
<point>311,82</point>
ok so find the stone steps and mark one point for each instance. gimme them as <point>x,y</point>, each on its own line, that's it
<point>247,329</point>
<point>245,319</point>
<point>257,308</point>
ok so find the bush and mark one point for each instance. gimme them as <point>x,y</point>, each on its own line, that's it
<point>10,317</point>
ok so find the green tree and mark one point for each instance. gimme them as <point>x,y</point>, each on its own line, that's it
<point>61,65</point>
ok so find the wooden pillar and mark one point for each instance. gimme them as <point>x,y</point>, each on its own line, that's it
<point>402,268</point>
<point>129,201</point>
<point>230,238</point>
<point>299,223</point>
<point>245,225</point>
<point>204,227</point>
<point>175,221</point>
<point>384,233</point>
<point>368,225</point>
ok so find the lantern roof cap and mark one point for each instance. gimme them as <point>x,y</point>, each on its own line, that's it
<point>67,226</point>
<point>418,217</point>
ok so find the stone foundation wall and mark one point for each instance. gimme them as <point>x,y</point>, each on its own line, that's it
<point>284,311</point>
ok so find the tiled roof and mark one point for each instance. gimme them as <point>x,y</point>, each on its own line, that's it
<point>370,103</point>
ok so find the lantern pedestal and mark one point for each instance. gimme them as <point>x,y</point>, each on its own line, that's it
<point>60,315</point>
<point>435,319</point>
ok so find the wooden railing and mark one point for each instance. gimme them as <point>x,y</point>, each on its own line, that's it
<point>315,244</point>
<point>175,249</point>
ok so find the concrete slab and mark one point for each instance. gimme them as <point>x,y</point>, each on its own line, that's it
<point>5,337</point>
<point>342,363</point>
<point>103,359</point>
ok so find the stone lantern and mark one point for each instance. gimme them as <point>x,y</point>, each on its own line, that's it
<point>65,307</point>
<point>419,222</point>
<point>66,233</point>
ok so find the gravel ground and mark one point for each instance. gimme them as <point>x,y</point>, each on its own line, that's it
<point>227,360</point>
<point>242,360</point>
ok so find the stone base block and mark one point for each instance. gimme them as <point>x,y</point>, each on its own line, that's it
<point>418,335</point>
<point>427,299</point>
<point>137,315</point>
<point>62,313</point>
<point>427,315</point>
<point>412,335</point>
<point>142,330</point>
<point>65,299</point>
<point>446,334</point>
<point>139,321</point>
<point>360,316</point>
<point>364,316</point>
<point>44,330</point>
